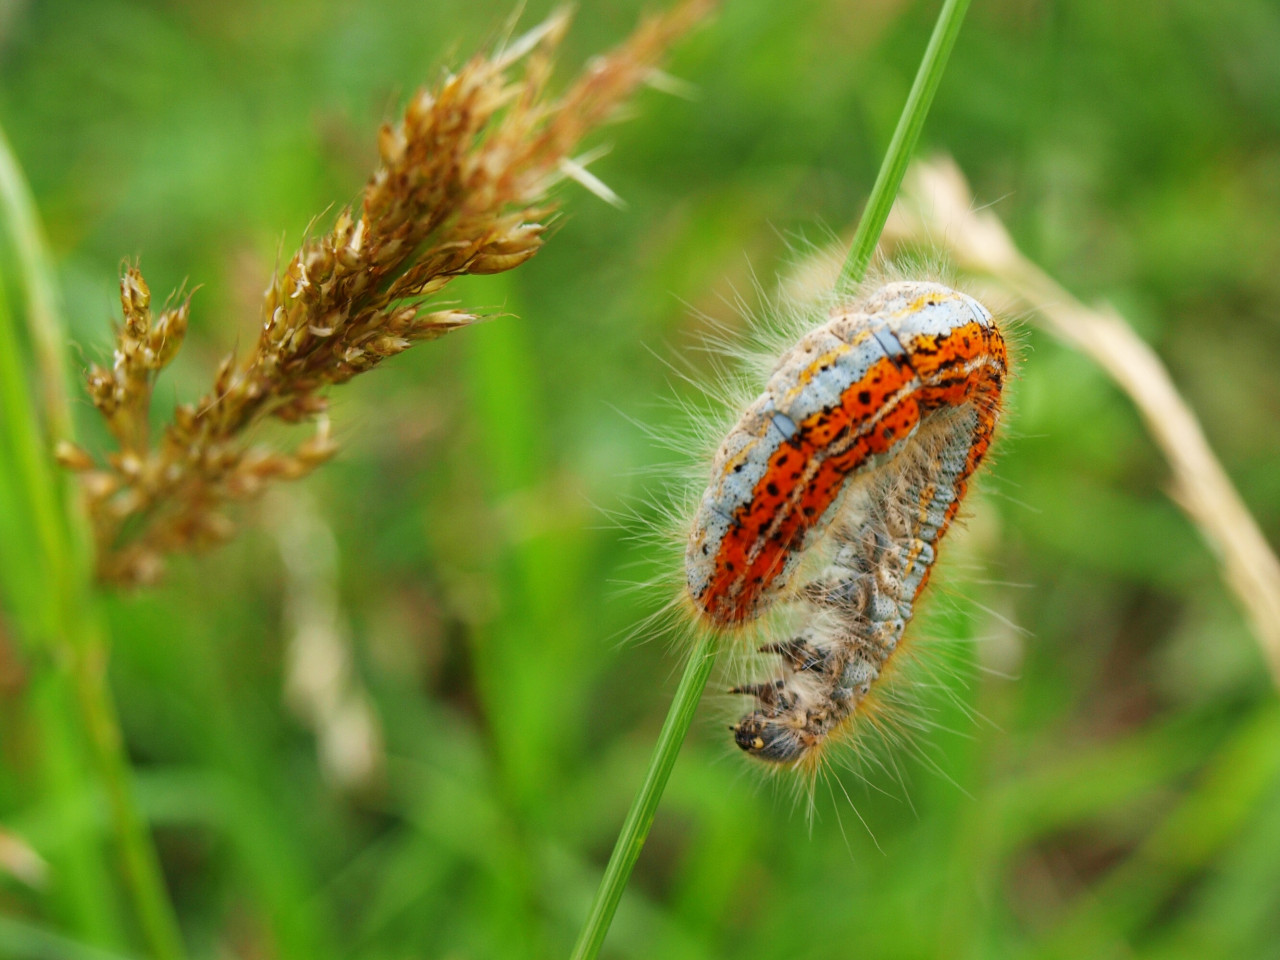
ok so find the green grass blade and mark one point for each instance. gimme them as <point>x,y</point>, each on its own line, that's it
<point>635,829</point>
<point>903,144</point>
<point>84,901</point>
<point>48,332</point>
<point>694,680</point>
<point>70,623</point>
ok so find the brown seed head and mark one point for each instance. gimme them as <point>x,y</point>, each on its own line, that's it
<point>461,188</point>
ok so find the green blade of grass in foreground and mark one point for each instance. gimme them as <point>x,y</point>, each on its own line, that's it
<point>635,828</point>
<point>84,900</point>
<point>69,622</point>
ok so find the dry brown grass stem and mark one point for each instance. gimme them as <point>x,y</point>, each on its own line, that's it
<point>462,188</point>
<point>937,207</point>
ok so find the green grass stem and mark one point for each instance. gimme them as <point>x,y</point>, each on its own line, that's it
<point>903,144</point>
<point>640,817</point>
<point>635,828</point>
<point>85,900</point>
<point>47,330</point>
<point>69,623</point>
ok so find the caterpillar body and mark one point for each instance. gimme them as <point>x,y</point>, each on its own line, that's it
<point>896,398</point>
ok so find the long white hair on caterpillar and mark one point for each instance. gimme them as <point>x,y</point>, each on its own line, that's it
<point>838,448</point>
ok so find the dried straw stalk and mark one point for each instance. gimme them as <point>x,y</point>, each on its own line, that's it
<point>937,207</point>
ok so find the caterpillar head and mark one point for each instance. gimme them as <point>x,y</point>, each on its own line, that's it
<point>769,739</point>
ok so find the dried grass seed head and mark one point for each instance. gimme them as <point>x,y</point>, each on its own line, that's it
<point>461,188</point>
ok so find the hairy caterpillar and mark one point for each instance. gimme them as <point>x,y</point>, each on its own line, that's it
<point>897,398</point>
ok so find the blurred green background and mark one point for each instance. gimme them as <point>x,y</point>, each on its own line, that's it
<point>396,718</point>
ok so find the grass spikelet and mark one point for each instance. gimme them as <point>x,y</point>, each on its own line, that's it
<point>462,188</point>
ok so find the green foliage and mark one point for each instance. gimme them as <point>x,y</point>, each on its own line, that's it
<point>1103,780</point>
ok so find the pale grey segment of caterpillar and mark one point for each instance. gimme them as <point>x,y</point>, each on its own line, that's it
<point>858,608</point>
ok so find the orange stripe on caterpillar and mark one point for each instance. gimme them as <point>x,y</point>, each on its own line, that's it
<point>901,393</point>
